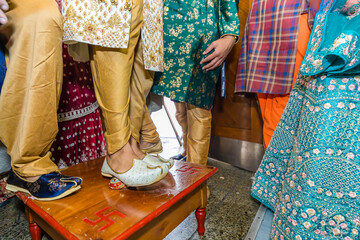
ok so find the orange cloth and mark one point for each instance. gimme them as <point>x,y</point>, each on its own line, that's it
<point>273,105</point>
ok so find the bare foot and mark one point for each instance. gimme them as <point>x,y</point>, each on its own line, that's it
<point>136,149</point>
<point>122,160</point>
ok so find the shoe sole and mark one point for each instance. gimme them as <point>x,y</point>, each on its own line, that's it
<point>107,175</point>
<point>14,188</point>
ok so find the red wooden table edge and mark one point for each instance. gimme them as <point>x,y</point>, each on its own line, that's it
<point>68,235</point>
<point>164,207</point>
<point>49,219</point>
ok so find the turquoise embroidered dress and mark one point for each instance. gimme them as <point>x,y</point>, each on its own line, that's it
<point>190,26</point>
<point>310,173</point>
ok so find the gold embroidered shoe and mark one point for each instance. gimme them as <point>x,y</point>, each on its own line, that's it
<point>153,160</point>
<point>154,149</point>
<point>140,174</point>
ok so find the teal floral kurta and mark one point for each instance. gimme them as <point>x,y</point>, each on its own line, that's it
<point>310,173</point>
<point>190,26</point>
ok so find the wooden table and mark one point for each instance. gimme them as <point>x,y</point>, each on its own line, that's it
<point>97,212</point>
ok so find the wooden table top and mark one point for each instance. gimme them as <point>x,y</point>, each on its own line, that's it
<point>97,212</point>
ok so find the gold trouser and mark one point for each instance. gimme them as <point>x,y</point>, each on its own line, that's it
<point>121,83</point>
<point>31,91</point>
<point>141,124</point>
<point>181,117</point>
<point>196,125</point>
<point>148,131</point>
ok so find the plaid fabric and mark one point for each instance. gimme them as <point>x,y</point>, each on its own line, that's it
<point>268,50</point>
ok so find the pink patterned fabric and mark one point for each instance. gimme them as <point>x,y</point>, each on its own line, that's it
<point>59,4</point>
<point>80,137</point>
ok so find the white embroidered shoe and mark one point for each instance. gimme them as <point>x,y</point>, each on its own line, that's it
<point>152,160</point>
<point>168,162</point>
<point>140,174</point>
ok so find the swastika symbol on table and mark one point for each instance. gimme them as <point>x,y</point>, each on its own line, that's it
<point>192,170</point>
<point>105,218</point>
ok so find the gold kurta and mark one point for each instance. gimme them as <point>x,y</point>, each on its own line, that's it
<point>107,23</point>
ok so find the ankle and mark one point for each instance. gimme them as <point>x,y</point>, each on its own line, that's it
<point>31,179</point>
<point>137,151</point>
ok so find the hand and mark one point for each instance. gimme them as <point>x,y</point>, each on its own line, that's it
<point>4,6</point>
<point>221,47</point>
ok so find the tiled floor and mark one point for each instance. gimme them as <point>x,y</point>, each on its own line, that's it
<point>261,226</point>
<point>230,209</point>
<point>265,227</point>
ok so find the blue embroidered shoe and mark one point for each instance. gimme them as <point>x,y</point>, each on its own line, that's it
<point>48,187</point>
<point>178,157</point>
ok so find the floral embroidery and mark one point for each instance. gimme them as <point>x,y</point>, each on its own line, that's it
<point>314,151</point>
<point>189,28</point>
<point>107,23</point>
<point>98,23</point>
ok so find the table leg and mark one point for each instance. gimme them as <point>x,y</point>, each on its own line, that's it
<point>35,230</point>
<point>200,214</point>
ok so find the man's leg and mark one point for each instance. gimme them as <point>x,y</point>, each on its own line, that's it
<point>141,83</point>
<point>148,134</point>
<point>181,117</point>
<point>112,73</point>
<point>31,91</point>
<point>143,130</point>
<point>273,105</point>
<point>198,134</point>
<point>29,98</point>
